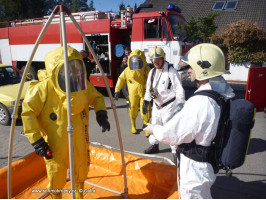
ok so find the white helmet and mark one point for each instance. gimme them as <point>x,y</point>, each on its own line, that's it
<point>207,61</point>
<point>156,52</point>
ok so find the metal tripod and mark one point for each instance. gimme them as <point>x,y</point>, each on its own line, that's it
<point>62,10</point>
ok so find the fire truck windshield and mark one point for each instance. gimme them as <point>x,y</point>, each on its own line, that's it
<point>177,24</point>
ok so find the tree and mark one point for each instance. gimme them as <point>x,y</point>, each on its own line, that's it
<point>202,28</point>
<point>10,10</point>
<point>24,9</point>
<point>75,5</point>
<point>135,7</point>
<point>192,28</point>
<point>207,26</point>
<point>91,8</point>
<point>122,6</point>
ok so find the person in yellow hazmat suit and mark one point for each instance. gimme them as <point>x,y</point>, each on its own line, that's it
<point>135,75</point>
<point>45,118</point>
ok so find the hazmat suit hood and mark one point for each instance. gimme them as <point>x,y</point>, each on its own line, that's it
<point>54,60</point>
<point>134,54</point>
<point>54,63</point>
<point>137,63</point>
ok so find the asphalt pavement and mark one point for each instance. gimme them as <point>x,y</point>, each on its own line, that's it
<point>247,182</point>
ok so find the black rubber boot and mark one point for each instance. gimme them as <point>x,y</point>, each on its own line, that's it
<point>152,149</point>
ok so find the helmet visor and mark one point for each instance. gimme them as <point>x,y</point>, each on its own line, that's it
<point>77,76</point>
<point>135,62</point>
<point>184,61</point>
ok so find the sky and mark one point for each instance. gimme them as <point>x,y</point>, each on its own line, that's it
<point>108,5</point>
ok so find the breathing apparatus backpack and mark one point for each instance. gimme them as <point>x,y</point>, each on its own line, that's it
<point>230,145</point>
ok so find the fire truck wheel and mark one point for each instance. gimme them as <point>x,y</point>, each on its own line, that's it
<point>32,71</point>
<point>5,117</point>
<point>125,91</point>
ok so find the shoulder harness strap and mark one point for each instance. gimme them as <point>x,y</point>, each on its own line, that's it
<point>170,82</point>
<point>153,73</point>
<point>152,76</point>
<point>212,94</point>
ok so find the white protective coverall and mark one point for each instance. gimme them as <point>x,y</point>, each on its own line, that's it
<point>198,120</point>
<point>161,116</point>
<point>45,116</point>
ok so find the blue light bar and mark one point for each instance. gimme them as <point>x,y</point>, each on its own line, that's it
<point>172,7</point>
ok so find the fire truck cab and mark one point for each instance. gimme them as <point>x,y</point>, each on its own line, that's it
<point>107,35</point>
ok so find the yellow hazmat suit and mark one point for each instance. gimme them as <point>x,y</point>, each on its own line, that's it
<point>136,76</point>
<point>45,116</point>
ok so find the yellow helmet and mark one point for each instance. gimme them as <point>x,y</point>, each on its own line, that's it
<point>207,61</point>
<point>156,52</point>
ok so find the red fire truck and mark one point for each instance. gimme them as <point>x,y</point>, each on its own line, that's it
<point>108,37</point>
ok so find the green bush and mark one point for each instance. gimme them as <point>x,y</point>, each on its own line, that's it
<point>192,28</point>
<point>239,55</point>
<point>202,28</point>
<point>207,26</point>
<point>245,41</point>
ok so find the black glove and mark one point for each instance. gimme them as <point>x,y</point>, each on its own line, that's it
<point>145,107</point>
<point>42,149</point>
<point>116,96</point>
<point>102,119</point>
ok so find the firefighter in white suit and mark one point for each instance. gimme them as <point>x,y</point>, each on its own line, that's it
<point>165,89</point>
<point>198,121</point>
